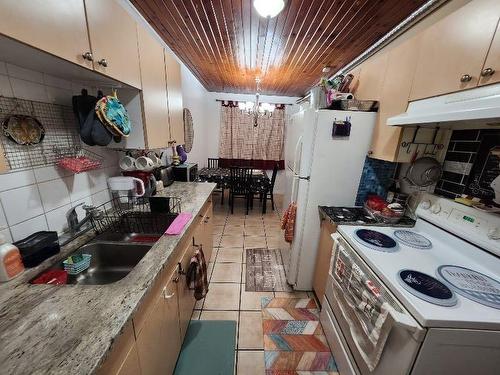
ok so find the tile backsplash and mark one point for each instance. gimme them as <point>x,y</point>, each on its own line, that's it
<point>34,199</point>
<point>38,199</point>
<point>375,179</point>
<point>469,166</point>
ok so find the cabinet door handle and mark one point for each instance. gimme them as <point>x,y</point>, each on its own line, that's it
<point>466,78</point>
<point>103,62</point>
<point>180,270</point>
<point>487,72</point>
<point>166,295</point>
<point>88,56</point>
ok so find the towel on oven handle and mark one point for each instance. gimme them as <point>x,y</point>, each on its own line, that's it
<point>369,316</point>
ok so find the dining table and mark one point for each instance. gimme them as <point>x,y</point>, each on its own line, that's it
<point>260,182</point>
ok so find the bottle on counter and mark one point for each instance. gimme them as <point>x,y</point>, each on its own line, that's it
<point>11,263</point>
<point>392,190</point>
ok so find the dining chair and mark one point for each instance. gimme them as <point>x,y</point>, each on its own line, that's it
<point>213,163</point>
<point>239,185</point>
<point>269,193</point>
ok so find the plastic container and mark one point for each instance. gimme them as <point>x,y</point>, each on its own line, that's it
<point>11,264</point>
<point>381,218</point>
<point>54,277</point>
<point>76,268</point>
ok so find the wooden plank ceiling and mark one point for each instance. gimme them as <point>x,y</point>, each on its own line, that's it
<point>226,44</point>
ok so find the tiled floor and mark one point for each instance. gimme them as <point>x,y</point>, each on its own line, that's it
<point>227,298</point>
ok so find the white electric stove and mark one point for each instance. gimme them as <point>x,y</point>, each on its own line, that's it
<point>444,277</point>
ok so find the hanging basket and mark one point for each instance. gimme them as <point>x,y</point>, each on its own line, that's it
<point>77,160</point>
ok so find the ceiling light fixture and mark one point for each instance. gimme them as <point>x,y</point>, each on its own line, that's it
<point>269,8</point>
<point>257,109</point>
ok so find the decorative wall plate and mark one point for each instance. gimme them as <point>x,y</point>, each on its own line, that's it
<point>188,130</point>
<point>24,130</point>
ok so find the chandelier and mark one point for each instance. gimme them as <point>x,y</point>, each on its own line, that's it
<point>256,108</point>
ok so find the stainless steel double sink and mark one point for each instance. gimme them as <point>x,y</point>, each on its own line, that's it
<point>114,256</point>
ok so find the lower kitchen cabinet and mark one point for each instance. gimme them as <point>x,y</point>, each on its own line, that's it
<point>159,341</point>
<point>206,232</point>
<point>130,365</point>
<point>323,258</point>
<point>123,359</point>
<point>185,295</point>
<point>151,343</point>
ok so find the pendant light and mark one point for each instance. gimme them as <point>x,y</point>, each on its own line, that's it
<point>269,8</point>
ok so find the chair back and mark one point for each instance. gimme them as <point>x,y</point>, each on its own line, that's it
<point>213,163</point>
<point>240,180</point>
<point>273,177</point>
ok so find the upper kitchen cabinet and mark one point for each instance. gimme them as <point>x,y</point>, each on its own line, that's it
<point>113,36</point>
<point>154,91</point>
<point>394,93</point>
<point>491,68</point>
<point>371,77</point>
<point>174,95</point>
<point>54,26</point>
<point>454,50</point>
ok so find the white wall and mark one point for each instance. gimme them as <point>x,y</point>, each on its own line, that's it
<point>35,199</point>
<point>195,97</point>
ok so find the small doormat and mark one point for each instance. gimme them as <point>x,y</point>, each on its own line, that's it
<point>208,348</point>
<point>265,271</point>
<point>293,338</point>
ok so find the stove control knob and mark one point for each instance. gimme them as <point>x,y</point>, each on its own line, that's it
<point>435,208</point>
<point>425,204</point>
<point>494,234</point>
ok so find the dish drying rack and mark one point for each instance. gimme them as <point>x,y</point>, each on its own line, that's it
<point>125,214</point>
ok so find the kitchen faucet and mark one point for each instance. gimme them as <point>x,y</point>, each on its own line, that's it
<point>72,217</point>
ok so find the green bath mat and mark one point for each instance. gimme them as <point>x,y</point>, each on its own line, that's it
<point>208,348</point>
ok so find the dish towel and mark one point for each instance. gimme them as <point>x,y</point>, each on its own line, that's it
<point>370,316</point>
<point>288,222</point>
<point>179,223</point>
<point>196,276</point>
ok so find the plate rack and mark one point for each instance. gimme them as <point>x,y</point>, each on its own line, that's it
<point>61,133</point>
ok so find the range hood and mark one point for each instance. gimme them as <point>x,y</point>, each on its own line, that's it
<point>479,107</point>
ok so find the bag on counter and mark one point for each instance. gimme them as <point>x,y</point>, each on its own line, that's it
<point>37,247</point>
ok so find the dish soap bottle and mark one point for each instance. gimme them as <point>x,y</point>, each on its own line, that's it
<point>11,263</point>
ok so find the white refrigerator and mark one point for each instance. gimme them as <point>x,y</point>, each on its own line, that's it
<point>320,171</point>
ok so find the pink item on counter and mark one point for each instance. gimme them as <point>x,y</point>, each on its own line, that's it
<point>179,223</point>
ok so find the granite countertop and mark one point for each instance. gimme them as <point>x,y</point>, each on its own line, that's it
<point>358,216</point>
<point>70,329</point>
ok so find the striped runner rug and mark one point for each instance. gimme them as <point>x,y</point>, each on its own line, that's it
<point>294,342</point>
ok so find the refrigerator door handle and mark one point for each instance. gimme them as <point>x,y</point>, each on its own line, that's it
<point>298,145</point>
<point>295,175</point>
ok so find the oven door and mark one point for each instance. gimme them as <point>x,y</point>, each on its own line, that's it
<point>405,337</point>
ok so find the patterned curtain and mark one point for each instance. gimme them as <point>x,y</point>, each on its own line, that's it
<point>260,146</point>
